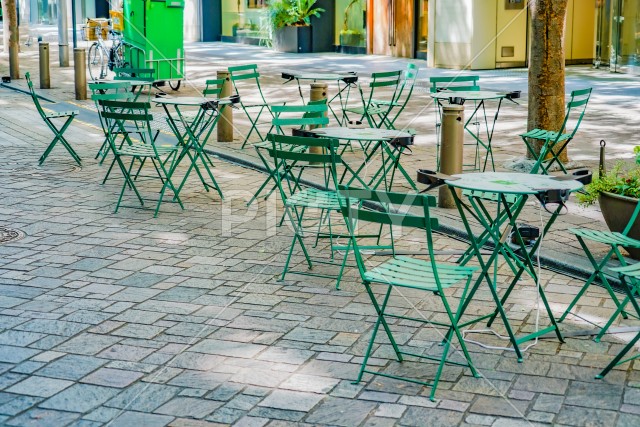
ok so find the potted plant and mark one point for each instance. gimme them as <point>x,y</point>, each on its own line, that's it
<point>234,29</point>
<point>291,24</point>
<point>617,192</point>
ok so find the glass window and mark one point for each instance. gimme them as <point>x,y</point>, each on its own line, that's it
<point>423,28</point>
<point>351,19</point>
<point>244,18</point>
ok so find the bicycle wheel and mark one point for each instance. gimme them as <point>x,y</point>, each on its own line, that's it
<point>175,85</point>
<point>97,62</point>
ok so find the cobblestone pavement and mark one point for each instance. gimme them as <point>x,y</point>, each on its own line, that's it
<point>125,320</point>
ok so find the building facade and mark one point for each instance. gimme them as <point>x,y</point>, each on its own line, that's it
<point>618,35</point>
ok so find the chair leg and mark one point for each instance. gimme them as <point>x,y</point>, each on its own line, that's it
<point>297,235</point>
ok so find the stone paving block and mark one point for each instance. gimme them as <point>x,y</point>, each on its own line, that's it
<point>541,384</point>
<point>225,392</point>
<point>205,380</point>
<point>39,386</point>
<point>285,355</point>
<point>13,354</point>
<point>226,415</point>
<point>19,404</point>
<point>102,414</point>
<point>79,398</point>
<point>143,397</point>
<point>129,418</point>
<point>499,406</point>
<point>19,338</point>
<point>579,416</point>
<point>416,416</point>
<point>227,348</point>
<point>134,330</point>
<point>10,378</point>
<point>594,395</point>
<point>249,421</point>
<point>139,316</point>
<point>125,352</point>
<point>188,407</point>
<point>291,400</point>
<point>28,367</point>
<point>309,383</point>
<point>43,418</point>
<point>280,414</point>
<point>341,412</point>
<point>390,410</point>
<point>112,377</point>
<point>196,361</point>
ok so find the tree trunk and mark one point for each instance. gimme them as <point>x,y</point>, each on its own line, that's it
<point>546,67</point>
<point>10,18</point>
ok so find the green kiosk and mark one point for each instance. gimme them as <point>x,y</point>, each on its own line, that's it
<point>153,35</point>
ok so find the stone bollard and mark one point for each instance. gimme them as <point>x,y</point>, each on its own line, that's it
<point>80,72</point>
<point>225,123</point>
<point>318,92</point>
<point>451,143</point>
<point>43,55</point>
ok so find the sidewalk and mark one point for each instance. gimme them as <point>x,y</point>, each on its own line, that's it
<point>613,102</point>
<point>124,320</point>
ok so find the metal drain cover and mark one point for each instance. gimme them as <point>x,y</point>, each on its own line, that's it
<point>10,235</point>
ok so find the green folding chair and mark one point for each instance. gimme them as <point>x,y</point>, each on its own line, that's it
<point>630,278</point>
<point>135,115</point>
<point>402,272</point>
<point>402,98</point>
<point>286,151</point>
<point>553,143</point>
<point>466,83</point>
<point>57,131</point>
<point>376,107</point>
<point>615,240</point>
<point>112,91</point>
<point>314,114</point>
<point>249,75</point>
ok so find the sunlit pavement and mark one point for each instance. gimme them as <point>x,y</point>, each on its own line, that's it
<point>122,319</point>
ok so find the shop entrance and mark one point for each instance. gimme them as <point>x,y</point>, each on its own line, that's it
<point>393,23</point>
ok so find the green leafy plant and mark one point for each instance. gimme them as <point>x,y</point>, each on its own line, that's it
<point>282,13</point>
<point>621,180</point>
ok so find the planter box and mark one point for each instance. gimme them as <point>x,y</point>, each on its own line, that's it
<point>617,211</point>
<point>293,39</point>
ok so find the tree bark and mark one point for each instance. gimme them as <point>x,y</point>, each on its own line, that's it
<point>10,18</point>
<point>546,67</point>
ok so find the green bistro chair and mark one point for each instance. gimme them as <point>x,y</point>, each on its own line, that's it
<point>112,91</point>
<point>286,151</point>
<point>375,108</point>
<point>57,131</point>
<point>630,278</point>
<point>314,114</point>
<point>135,115</point>
<point>553,143</point>
<point>615,241</point>
<point>213,88</point>
<point>402,98</point>
<point>466,83</point>
<point>406,273</point>
<point>249,74</point>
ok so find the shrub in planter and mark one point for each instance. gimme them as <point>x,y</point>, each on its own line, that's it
<point>282,14</point>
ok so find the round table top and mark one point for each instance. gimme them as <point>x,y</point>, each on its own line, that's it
<point>471,95</point>
<point>131,82</point>
<point>512,182</point>
<point>319,76</point>
<point>360,134</point>
<point>189,100</point>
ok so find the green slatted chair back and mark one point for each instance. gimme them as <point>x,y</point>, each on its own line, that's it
<point>249,75</point>
<point>576,107</point>
<point>125,115</point>
<point>456,83</point>
<point>213,87</point>
<point>34,96</point>
<point>385,83</point>
<point>408,83</point>
<point>354,210</point>
<point>141,74</point>
<point>314,114</point>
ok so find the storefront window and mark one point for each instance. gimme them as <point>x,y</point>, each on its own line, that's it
<point>618,44</point>
<point>423,29</point>
<point>351,18</point>
<point>244,18</point>
<point>44,11</point>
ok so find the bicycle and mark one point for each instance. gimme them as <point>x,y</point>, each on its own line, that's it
<point>103,59</point>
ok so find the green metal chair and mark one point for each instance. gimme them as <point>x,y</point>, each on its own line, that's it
<point>554,142</point>
<point>375,108</point>
<point>314,114</point>
<point>402,98</point>
<point>466,83</point>
<point>286,151</point>
<point>57,131</point>
<point>615,241</point>
<point>401,272</point>
<point>135,115</point>
<point>112,91</point>
<point>630,278</point>
<point>250,75</point>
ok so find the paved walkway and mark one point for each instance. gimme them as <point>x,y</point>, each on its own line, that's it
<point>126,320</point>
